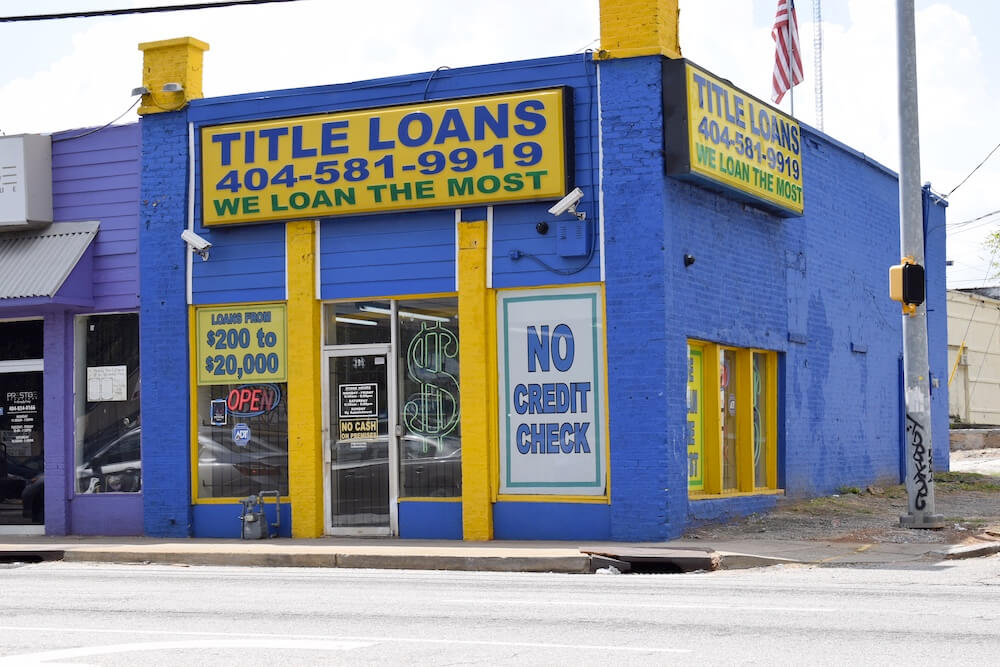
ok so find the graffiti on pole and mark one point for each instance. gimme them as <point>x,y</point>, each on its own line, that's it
<point>922,462</point>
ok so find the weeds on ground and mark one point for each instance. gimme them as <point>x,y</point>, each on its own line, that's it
<point>965,481</point>
<point>827,505</point>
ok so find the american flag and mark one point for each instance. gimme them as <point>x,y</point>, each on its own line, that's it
<point>787,61</point>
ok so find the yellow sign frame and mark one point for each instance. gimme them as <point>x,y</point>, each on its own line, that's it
<point>450,153</point>
<point>720,136</point>
<point>241,343</point>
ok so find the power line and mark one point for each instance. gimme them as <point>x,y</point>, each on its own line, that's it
<point>135,10</point>
<point>976,219</point>
<point>103,127</point>
<point>971,225</point>
<point>973,171</point>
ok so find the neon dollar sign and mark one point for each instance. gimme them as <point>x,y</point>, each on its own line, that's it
<point>432,411</point>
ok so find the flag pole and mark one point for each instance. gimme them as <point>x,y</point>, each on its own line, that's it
<point>791,46</point>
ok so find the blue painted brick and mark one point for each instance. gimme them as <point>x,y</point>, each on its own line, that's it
<point>163,341</point>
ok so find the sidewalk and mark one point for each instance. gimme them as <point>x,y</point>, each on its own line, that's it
<point>565,557</point>
<point>859,529</point>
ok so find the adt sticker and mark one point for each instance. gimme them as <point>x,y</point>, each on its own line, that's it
<point>241,435</point>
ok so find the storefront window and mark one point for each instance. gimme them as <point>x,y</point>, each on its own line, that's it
<point>695,410</point>
<point>760,407</point>
<point>730,430</point>
<point>732,420</point>
<point>242,440</point>
<point>21,339</point>
<point>357,323</point>
<point>429,405</point>
<point>108,434</point>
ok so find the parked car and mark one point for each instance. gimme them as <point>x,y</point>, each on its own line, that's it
<point>33,500</point>
<point>16,472</point>
<point>114,468</point>
<point>226,470</point>
<point>429,467</point>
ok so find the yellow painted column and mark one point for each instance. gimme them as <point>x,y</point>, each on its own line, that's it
<point>171,61</point>
<point>305,411</point>
<point>744,420</point>
<point>474,302</point>
<point>711,426</point>
<point>771,419</point>
<point>631,28</point>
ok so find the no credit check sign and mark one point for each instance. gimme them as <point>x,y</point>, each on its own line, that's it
<point>435,154</point>
<point>720,136</point>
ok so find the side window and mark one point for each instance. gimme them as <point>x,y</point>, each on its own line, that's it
<point>695,420</point>
<point>732,420</point>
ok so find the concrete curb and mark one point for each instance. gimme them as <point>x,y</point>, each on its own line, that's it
<point>558,558</point>
<point>969,551</point>
<point>582,564</point>
<point>738,561</point>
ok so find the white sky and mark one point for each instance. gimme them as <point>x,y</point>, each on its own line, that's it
<point>64,74</point>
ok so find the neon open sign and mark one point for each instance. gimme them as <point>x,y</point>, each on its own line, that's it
<point>251,400</point>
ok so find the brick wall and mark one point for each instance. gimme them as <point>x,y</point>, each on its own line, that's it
<point>648,449</point>
<point>812,288</point>
<point>163,341</point>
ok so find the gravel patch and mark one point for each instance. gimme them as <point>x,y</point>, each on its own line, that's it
<point>969,502</point>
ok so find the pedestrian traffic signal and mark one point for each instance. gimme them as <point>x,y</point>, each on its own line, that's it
<point>906,284</point>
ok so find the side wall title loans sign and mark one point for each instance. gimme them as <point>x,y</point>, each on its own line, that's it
<point>428,155</point>
<point>722,137</point>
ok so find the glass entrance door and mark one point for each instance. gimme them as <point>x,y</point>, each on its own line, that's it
<point>22,489</point>
<point>360,462</point>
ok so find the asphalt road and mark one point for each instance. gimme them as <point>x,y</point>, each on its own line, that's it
<point>63,613</point>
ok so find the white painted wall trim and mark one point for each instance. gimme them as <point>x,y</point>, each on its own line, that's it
<point>600,171</point>
<point>489,247</point>
<point>189,277</point>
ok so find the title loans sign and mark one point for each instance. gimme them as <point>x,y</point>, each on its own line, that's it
<point>552,406</point>
<point>718,134</point>
<point>455,153</point>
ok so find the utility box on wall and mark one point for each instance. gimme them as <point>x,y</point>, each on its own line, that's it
<point>573,238</point>
<point>25,181</point>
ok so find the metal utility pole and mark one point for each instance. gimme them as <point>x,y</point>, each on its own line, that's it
<point>916,369</point>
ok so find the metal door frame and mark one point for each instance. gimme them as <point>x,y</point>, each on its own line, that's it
<point>391,400</point>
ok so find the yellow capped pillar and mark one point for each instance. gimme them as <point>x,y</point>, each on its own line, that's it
<point>305,407</point>
<point>171,61</point>
<point>474,342</point>
<point>631,28</point>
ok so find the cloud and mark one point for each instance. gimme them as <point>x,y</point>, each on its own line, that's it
<point>269,47</point>
<point>860,99</point>
<point>78,73</point>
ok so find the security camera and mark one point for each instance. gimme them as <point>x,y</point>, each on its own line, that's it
<point>196,243</point>
<point>568,203</point>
